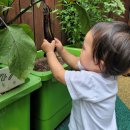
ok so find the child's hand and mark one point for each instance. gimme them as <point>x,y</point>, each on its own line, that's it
<point>58,44</point>
<point>48,47</point>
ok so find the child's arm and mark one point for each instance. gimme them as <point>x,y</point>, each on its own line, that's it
<point>56,68</point>
<point>70,59</point>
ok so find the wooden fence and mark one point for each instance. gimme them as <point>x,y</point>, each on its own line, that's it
<point>35,19</point>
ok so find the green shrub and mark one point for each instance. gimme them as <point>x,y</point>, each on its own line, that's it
<point>77,17</point>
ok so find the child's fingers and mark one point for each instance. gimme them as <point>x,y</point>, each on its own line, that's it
<point>57,40</point>
<point>57,43</point>
<point>53,43</point>
<point>45,41</point>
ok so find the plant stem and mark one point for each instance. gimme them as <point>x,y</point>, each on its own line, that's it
<point>3,22</point>
<point>22,12</point>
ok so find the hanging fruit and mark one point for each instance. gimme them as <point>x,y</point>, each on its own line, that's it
<point>48,35</point>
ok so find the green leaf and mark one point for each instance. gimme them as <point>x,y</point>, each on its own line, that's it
<point>29,10</point>
<point>38,4</point>
<point>27,30</point>
<point>83,18</point>
<point>5,9</point>
<point>120,5</point>
<point>17,50</point>
<point>6,2</point>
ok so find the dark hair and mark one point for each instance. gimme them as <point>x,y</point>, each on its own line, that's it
<point>111,43</point>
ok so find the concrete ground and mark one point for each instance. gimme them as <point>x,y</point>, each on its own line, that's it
<point>124,89</point>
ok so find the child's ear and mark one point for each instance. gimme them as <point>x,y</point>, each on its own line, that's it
<point>102,65</point>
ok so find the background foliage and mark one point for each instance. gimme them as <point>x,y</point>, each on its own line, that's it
<point>77,17</point>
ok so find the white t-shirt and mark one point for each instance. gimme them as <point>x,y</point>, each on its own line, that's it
<point>93,100</point>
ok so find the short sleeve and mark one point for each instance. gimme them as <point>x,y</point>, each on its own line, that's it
<point>80,66</point>
<point>80,85</point>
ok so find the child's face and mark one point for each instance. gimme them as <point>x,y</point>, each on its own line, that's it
<point>86,57</point>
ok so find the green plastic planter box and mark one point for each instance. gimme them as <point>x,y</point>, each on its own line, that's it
<point>15,105</point>
<point>52,102</point>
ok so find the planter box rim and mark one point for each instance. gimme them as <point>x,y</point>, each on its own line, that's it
<point>48,74</point>
<point>32,83</point>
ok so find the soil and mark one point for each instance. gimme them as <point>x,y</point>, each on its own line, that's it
<point>41,64</point>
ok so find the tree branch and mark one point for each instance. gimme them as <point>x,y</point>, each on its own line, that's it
<point>23,11</point>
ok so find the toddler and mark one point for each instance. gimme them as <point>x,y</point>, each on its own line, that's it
<point>93,82</point>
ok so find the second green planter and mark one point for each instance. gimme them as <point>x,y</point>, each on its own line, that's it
<point>52,102</point>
